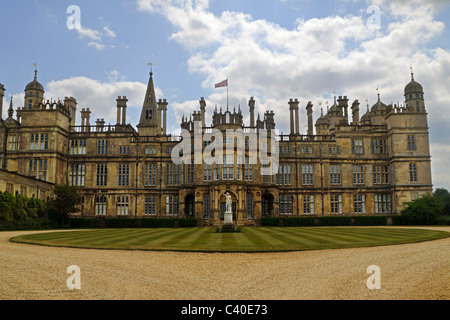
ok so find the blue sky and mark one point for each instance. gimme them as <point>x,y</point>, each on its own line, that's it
<point>272,50</point>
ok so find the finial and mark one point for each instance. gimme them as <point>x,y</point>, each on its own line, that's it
<point>151,68</point>
<point>412,73</point>
<point>35,71</point>
<point>378,93</point>
<point>11,110</point>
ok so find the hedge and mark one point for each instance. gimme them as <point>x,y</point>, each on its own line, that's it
<point>270,221</point>
<point>335,221</point>
<point>187,222</point>
<point>85,223</point>
<point>370,220</point>
<point>157,223</point>
<point>298,221</point>
<point>121,223</point>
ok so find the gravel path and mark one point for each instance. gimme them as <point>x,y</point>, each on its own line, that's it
<point>408,272</point>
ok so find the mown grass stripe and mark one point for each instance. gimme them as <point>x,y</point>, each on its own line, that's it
<point>249,240</point>
<point>254,238</point>
<point>178,236</point>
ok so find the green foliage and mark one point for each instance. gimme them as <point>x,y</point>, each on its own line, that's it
<point>121,223</point>
<point>444,196</point>
<point>19,212</point>
<point>187,222</point>
<point>423,211</point>
<point>298,221</point>
<point>84,223</point>
<point>443,220</point>
<point>335,221</point>
<point>157,223</point>
<point>270,221</point>
<point>65,202</point>
<point>370,220</point>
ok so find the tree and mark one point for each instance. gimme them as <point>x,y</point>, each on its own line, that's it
<point>444,195</point>
<point>423,211</point>
<point>65,202</point>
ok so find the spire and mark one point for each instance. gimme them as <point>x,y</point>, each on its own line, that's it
<point>149,114</point>
<point>11,109</point>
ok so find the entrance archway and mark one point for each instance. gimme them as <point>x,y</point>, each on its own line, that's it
<point>189,206</point>
<point>267,204</point>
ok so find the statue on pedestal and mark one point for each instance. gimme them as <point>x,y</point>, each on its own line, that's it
<point>228,218</point>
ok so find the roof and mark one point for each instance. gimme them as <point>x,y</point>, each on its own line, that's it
<point>34,85</point>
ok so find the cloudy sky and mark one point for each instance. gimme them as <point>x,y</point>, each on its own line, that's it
<point>272,50</point>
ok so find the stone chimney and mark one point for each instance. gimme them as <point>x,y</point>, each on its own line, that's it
<point>122,110</point>
<point>251,105</point>
<point>203,110</point>
<point>162,106</point>
<point>355,113</point>
<point>310,118</point>
<point>71,104</point>
<point>2,94</point>
<point>294,117</point>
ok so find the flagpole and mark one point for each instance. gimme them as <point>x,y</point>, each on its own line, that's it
<point>227,92</point>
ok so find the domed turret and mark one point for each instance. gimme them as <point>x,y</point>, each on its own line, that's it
<point>413,87</point>
<point>414,95</point>
<point>34,93</point>
<point>379,107</point>
<point>34,85</point>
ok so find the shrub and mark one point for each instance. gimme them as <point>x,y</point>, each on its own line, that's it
<point>423,211</point>
<point>121,223</point>
<point>335,221</point>
<point>443,220</point>
<point>157,223</point>
<point>298,221</point>
<point>370,220</point>
<point>187,222</point>
<point>84,223</point>
<point>270,221</point>
<point>398,221</point>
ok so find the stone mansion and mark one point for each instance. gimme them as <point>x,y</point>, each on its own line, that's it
<point>346,164</point>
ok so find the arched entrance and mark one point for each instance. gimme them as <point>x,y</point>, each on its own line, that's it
<point>267,204</point>
<point>189,206</point>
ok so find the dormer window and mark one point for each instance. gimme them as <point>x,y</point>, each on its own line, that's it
<point>148,114</point>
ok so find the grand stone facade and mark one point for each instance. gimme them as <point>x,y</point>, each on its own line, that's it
<point>344,165</point>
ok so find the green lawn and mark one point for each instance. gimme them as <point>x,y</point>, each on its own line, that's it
<point>263,239</point>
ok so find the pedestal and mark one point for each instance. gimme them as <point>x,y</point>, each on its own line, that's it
<point>228,225</point>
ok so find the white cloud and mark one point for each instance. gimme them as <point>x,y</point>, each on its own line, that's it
<point>101,97</point>
<point>97,38</point>
<point>109,32</point>
<point>318,56</point>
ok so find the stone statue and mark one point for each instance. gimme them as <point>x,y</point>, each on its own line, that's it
<point>228,219</point>
<point>229,203</point>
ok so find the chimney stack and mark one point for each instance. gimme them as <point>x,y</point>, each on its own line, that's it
<point>202,110</point>
<point>251,105</point>
<point>310,118</point>
<point>2,94</point>
<point>355,113</point>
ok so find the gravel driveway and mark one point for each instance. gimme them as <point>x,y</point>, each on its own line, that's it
<point>409,271</point>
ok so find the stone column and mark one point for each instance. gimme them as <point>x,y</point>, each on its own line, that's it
<point>251,105</point>
<point>310,118</point>
<point>291,109</point>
